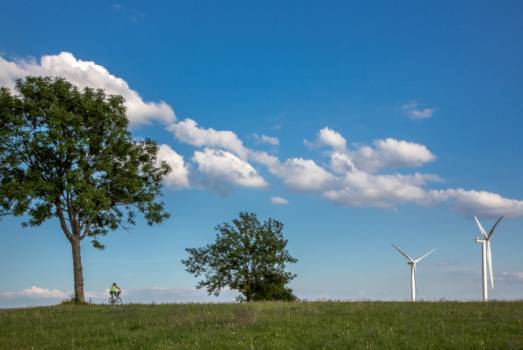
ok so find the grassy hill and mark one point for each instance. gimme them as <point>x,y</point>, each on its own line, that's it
<point>311,325</point>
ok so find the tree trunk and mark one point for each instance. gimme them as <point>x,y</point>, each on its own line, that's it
<point>78,271</point>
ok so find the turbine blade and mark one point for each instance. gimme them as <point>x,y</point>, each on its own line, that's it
<point>481,227</point>
<point>489,265</point>
<point>493,228</point>
<point>424,256</point>
<point>404,254</point>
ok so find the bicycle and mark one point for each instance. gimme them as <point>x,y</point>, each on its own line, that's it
<point>115,300</point>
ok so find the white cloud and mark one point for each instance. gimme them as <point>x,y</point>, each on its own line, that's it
<point>279,201</point>
<point>361,189</point>
<point>87,74</point>
<point>479,203</point>
<point>512,277</point>
<point>414,111</point>
<point>222,167</point>
<point>329,137</point>
<point>36,296</point>
<point>270,161</point>
<point>188,131</point>
<point>391,153</point>
<point>298,174</point>
<point>348,185</point>
<point>341,163</point>
<point>271,140</point>
<point>179,175</point>
<point>421,113</point>
<point>36,293</point>
<point>303,175</point>
<point>353,179</point>
<point>354,182</point>
<point>384,153</point>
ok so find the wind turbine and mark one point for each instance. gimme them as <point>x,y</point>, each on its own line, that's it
<point>412,263</point>
<point>486,257</point>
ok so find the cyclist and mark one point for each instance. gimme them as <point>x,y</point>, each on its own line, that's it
<point>115,292</point>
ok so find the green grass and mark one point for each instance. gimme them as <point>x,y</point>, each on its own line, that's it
<point>311,325</point>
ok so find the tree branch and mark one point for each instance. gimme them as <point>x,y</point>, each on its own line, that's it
<point>86,228</point>
<point>71,213</point>
<point>63,224</point>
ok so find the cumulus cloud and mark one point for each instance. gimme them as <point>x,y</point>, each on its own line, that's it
<point>298,174</point>
<point>270,140</point>
<point>361,189</point>
<point>225,148</point>
<point>270,161</point>
<point>358,188</point>
<point>36,293</point>
<point>187,131</point>
<point>479,203</point>
<point>341,163</point>
<point>414,111</point>
<point>86,74</point>
<point>329,137</point>
<point>279,201</point>
<point>354,179</point>
<point>383,153</point>
<point>303,175</point>
<point>179,175</point>
<point>224,168</point>
<point>391,153</point>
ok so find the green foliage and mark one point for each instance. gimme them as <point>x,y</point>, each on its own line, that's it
<point>267,325</point>
<point>247,256</point>
<point>67,153</point>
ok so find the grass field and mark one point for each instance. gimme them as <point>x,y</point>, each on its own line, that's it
<point>310,325</point>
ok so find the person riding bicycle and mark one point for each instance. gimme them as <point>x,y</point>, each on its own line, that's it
<point>115,291</point>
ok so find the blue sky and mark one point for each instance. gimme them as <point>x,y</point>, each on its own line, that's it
<point>356,99</point>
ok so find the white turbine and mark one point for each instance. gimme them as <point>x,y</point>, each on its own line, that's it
<point>486,256</point>
<point>412,263</point>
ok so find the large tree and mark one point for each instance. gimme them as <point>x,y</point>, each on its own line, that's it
<point>247,256</point>
<point>67,153</point>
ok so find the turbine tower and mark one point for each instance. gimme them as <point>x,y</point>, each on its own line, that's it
<point>412,263</point>
<point>486,256</point>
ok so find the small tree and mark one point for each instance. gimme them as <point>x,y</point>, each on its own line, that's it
<point>67,154</point>
<point>247,256</point>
